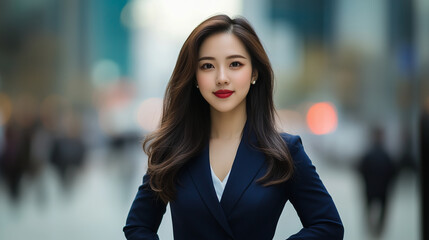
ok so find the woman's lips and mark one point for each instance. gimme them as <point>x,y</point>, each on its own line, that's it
<point>223,93</point>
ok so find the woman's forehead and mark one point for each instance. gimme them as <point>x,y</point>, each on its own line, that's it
<point>222,45</point>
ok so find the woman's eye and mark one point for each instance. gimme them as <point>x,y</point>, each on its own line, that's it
<point>206,66</point>
<point>235,64</point>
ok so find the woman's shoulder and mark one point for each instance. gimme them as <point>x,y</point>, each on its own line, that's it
<point>303,164</point>
<point>293,142</point>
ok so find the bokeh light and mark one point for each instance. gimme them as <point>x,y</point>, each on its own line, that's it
<point>104,72</point>
<point>322,118</point>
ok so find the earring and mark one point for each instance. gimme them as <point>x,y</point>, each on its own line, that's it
<point>196,86</point>
<point>254,81</point>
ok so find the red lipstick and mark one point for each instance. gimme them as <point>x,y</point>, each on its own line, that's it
<point>223,93</point>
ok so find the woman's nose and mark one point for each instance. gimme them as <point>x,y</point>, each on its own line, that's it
<point>222,77</point>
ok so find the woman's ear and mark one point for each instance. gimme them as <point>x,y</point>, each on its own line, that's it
<point>254,76</point>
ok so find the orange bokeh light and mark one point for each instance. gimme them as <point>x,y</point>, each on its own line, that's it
<point>322,118</point>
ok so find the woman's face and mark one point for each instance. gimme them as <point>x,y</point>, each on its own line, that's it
<point>224,72</point>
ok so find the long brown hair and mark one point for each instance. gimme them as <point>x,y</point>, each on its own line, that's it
<point>185,123</point>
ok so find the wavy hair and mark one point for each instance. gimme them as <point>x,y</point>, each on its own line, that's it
<point>185,123</point>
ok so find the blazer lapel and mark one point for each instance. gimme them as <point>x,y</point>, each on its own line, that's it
<point>201,176</point>
<point>248,161</point>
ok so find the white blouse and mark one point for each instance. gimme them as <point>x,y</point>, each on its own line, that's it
<point>219,185</point>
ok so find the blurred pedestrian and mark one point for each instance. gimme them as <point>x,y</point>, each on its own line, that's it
<point>68,149</point>
<point>15,159</point>
<point>377,170</point>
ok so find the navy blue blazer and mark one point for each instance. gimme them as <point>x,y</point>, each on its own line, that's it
<point>247,209</point>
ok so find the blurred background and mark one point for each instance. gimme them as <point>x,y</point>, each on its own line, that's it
<point>82,81</point>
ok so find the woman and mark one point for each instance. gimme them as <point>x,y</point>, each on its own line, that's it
<point>217,157</point>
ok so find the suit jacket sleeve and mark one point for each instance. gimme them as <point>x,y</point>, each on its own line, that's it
<point>145,215</point>
<point>311,200</point>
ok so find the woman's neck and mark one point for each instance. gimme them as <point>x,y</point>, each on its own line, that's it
<point>227,125</point>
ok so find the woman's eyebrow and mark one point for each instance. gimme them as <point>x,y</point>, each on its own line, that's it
<point>229,57</point>
<point>205,58</point>
<point>235,56</point>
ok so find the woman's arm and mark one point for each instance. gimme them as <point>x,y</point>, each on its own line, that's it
<point>311,200</point>
<point>145,215</point>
